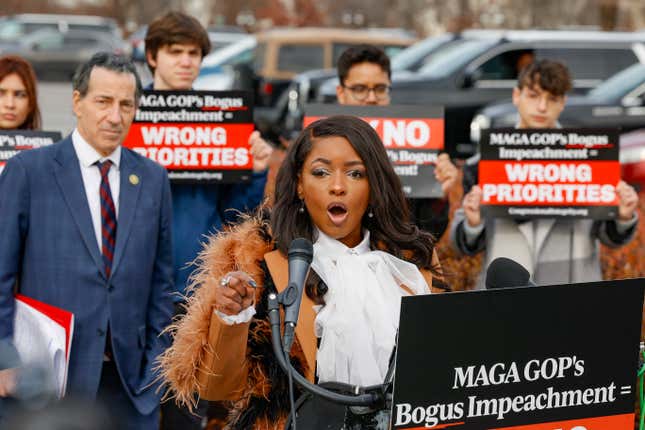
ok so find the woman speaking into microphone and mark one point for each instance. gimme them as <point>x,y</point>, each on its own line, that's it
<point>337,188</point>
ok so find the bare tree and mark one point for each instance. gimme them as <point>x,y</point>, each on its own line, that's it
<point>424,16</point>
<point>307,13</point>
<point>608,11</point>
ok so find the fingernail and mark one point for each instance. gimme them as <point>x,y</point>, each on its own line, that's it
<point>252,283</point>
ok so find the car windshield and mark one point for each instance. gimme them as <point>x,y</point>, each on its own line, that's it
<point>43,35</point>
<point>10,30</point>
<point>408,57</point>
<point>13,30</point>
<point>619,84</point>
<point>454,56</point>
<point>231,54</point>
<point>92,27</point>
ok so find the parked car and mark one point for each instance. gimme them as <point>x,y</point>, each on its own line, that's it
<point>617,102</point>
<point>218,68</point>
<point>15,27</point>
<point>481,68</point>
<point>305,87</point>
<point>223,35</point>
<point>267,64</point>
<point>409,59</point>
<point>56,56</point>
<point>278,55</point>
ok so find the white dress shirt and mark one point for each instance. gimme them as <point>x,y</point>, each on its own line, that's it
<point>87,156</point>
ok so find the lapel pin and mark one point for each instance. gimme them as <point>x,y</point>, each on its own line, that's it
<point>134,179</point>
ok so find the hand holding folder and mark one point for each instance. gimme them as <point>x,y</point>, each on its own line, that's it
<point>43,337</point>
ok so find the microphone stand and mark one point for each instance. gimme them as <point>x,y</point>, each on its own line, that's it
<point>363,396</point>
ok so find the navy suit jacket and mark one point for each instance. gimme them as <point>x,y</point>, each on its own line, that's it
<point>48,247</point>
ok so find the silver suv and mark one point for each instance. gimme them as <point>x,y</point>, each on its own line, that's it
<point>14,27</point>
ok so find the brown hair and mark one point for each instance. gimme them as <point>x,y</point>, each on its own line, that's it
<point>11,64</point>
<point>175,27</point>
<point>390,227</point>
<point>551,76</point>
<point>362,54</point>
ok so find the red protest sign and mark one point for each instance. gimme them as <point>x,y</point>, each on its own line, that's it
<point>179,146</point>
<point>550,173</point>
<point>413,138</point>
<point>196,135</point>
<point>404,133</point>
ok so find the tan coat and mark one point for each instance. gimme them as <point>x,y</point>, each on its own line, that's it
<point>210,357</point>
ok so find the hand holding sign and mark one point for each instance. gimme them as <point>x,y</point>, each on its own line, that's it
<point>472,206</point>
<point>550,172</point>
<point>261,152</point>
<point>627,201</point>
<point>445,172</point>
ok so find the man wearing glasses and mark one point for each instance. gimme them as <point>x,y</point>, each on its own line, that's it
<point>365,76</point>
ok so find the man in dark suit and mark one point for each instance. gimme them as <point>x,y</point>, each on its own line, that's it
<point>86,226</point>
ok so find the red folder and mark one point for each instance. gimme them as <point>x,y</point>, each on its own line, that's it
<point>43,336</point>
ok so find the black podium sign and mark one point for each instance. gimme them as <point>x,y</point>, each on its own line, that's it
<point>537,358</point>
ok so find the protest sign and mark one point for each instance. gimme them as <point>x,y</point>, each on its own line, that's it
<point>550,173</point>
<point>413,137</point>
<point>14,141</point>
<point>199,136</point>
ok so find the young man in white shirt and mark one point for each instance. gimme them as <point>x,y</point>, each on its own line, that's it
<point>552,250</point>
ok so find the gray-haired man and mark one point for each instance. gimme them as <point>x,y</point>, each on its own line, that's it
<point>86,226</point>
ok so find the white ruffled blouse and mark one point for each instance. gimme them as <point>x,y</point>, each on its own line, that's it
<point>358,323</point>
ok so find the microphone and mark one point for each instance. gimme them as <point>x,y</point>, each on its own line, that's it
<point>506,273</point>
<point>300,254</point>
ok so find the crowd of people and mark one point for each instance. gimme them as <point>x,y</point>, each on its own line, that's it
<point>169,282</point>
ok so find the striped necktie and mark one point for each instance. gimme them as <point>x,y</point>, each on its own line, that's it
<point>108,217</point>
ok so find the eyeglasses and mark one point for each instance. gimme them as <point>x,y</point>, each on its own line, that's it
<point>361,92</point>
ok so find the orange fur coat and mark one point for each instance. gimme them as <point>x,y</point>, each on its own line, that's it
<point>234,364</point>
<point>205,355</point>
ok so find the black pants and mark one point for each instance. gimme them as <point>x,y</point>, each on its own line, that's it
<point>112,395</point>
<point>174,417</point>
